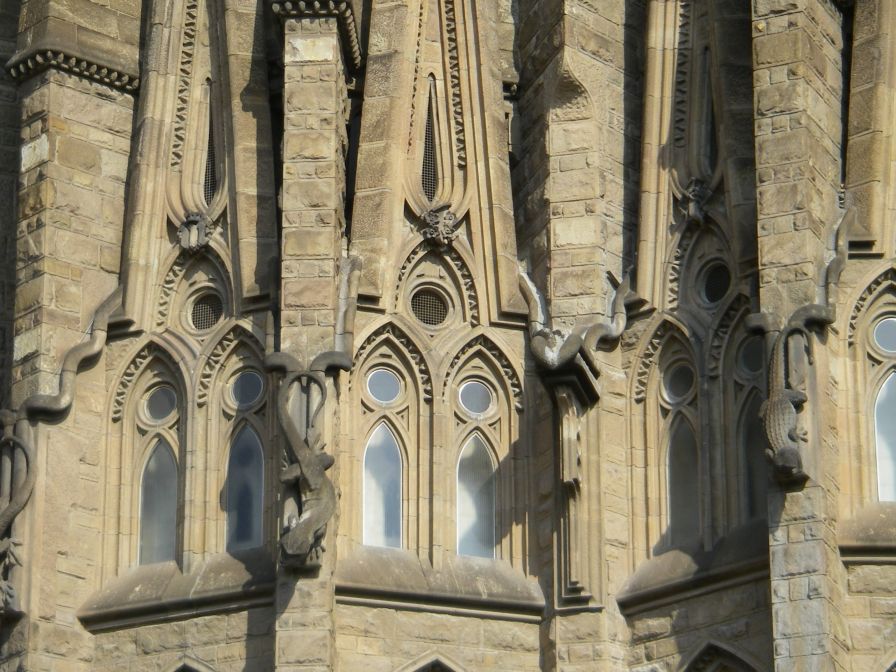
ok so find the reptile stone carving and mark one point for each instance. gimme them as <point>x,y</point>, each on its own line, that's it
<point>306,463</point>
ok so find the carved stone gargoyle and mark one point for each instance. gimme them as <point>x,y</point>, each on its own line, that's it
<point>779,412</point>
<point>305,463</point>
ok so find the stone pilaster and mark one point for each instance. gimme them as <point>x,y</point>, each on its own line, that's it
<point>313,206</point>
<point>313,196</point>
<point>797,88</point>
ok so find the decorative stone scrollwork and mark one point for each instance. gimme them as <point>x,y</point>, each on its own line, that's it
<point>30,64</point>
<point>128,377</point>
<point>409,347</point>
<point>439,227</point>
<point>497,354</point>
<point>195,231</point>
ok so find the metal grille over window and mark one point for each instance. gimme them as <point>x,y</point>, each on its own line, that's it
<point>207,311</point>
<point>210,185</point>
<point>430,176</point>
<point>429,307</point>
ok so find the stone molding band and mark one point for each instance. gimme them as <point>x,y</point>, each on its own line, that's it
<point>339,9</point>
<point>28,64</point>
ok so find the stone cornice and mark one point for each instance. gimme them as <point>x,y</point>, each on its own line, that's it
<point>77,50</point>
<point>23,66</point>
<point>339,9</point>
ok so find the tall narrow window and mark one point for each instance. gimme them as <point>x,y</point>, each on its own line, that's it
<point>683,485</point>
<point>430,173</point>
<point>476,500</point>
<point>885,439</point>
<point>158,506</point>
<point>210,181</point>
<point>245,491</point>
<point>382,490</point>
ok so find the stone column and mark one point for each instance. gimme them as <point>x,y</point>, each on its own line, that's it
<point>312,201</point>
<point>797,81</point>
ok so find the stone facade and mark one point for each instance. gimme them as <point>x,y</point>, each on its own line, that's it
<point>413,335</point>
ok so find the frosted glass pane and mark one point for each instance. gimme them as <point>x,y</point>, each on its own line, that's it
<point>885,434</point>
<point>245,491</point>
<point>383,386</point>
<point>247,388</point>
<point>158,506</point>
<point>161,402</point>
<point>684,491</point>
<point>382,490</point>
<point>475,397</point>
<point>885,334</point>
<point>476,500</point>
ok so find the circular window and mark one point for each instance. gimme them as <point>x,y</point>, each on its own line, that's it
<point>475,397</point>
<point>678,381</point>
<point>885,334</point>
<point>161,403</point>
<point>751,357</point>
<point>383,385</point>
<point>206,311</point>
<point>430,307</point>
<point>716,282</point>
<point>247,388</point>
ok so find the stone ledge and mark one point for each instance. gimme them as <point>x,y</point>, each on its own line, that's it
<point>160,593</point>
<point>76,50</point>
<point>870,535</point>
<point>676,575</point>
<point>395,578</point>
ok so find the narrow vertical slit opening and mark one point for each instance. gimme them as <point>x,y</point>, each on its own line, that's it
<point>210,182</point>
<point>430,174</point>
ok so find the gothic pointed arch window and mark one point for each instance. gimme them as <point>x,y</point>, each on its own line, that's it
<point>872,341</point>
<point>158,505</point>
<point>382,489</point>
<point>476,499</point>
<point>245,491</point>
<point>152,455</point>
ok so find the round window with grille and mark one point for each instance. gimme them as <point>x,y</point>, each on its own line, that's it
<point>206,311</point>
<point>430,307</point>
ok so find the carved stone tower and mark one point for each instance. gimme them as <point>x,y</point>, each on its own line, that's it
<point>425,335</point>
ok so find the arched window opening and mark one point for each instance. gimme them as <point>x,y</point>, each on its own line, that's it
<point>245,491</point>
<point>382,489</point>
<point>885,439</point>
<point>476,500</point>
<point>683,485</point>
<point>158,506</point>
<point>753,445</point>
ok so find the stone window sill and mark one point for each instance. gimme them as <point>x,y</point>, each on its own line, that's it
<point>678,574</point>
<point>161,592</point>
<point>870,535</point>
<point>390,577</point>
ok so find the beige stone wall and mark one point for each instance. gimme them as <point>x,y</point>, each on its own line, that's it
<point>385,640</point>
<point>242,640</point>
<point>735,616</point>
